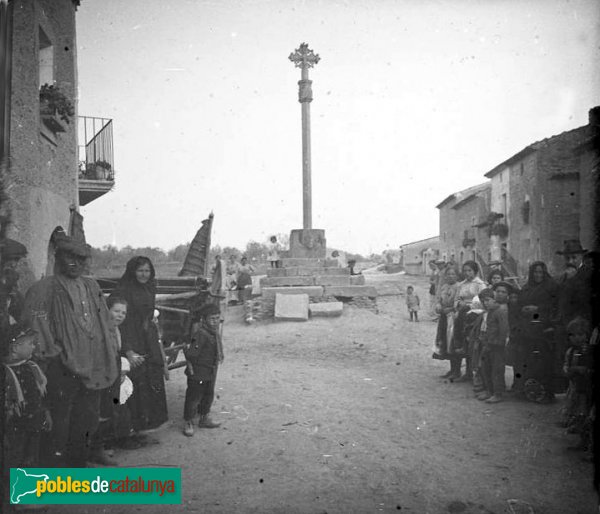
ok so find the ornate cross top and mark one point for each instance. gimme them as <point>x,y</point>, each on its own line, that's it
<point>304,57</point>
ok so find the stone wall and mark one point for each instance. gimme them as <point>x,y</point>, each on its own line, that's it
<point>43,170</point>
<point>263,308</point>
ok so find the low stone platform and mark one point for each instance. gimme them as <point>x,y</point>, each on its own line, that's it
<point>303,271</point>
<point>287,281</point>
<point>291,262</point>
<point>311,291</point>
<point>357,280</point>
<point>350,291</point>
<point>328,309</point>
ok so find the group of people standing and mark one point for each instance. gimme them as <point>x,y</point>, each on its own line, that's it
<point>543,330</point>
<point>80,369</point>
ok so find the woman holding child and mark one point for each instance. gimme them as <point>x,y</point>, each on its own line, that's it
<point>141,346</point>
<point>468,289</point>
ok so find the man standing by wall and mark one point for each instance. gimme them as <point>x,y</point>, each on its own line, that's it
<point>11,300</point>
<point>77,350</point>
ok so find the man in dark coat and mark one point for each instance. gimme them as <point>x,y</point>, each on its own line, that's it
<point>575,293</point>
<point>77,350</point>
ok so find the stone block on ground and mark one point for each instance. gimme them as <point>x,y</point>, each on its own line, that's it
<point>357,280</point>
<point>328,309</point>
<point>351,291</point>
<point>311,291</point>
<point>291,307</point>
<point>287,281</point>
<point>332,280</point>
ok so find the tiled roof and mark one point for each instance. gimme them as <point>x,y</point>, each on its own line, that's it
<point>582,132</point>
<point>464,194</point>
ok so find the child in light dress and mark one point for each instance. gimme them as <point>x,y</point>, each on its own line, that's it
<point>413,303</point>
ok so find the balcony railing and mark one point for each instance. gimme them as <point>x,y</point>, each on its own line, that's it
<point>96,154</point>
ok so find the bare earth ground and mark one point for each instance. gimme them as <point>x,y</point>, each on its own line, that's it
<point>348,415</point>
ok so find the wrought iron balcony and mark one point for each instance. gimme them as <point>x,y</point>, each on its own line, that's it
<point>96,164</point>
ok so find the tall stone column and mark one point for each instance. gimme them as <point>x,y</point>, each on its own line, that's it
<point>304,58</point>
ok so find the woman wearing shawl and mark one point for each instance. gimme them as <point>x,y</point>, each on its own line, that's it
<point>468,289</point>
<point>445,309</point>
<point>538,304</point>
<point>141,346</point>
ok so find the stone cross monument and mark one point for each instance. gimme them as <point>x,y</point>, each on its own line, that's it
<point>308,242</point>
<point>304,58</point>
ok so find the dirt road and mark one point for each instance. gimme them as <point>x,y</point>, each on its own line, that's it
<point>348,415</point>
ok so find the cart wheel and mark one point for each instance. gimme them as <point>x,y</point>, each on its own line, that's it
<point>535,391</point>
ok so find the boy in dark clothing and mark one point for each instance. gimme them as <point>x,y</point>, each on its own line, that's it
<point>494,335</point>
<point>26,413</point>
<point>203,356</point>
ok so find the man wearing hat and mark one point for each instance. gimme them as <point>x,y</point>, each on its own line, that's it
<point>575,294</point>
<point>11,300</point>
<point>77,349</point>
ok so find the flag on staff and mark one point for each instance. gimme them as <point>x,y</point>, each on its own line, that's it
<point>196,260</point>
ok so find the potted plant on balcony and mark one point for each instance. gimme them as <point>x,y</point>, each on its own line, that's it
<point>55,107</point>
<point>103,169</point>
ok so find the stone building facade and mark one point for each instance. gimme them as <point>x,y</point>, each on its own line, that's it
<point>43,163</point>
<point>415,256</point>
<point>463,234</point>
<point>45,185</point>
<point>538,192</point>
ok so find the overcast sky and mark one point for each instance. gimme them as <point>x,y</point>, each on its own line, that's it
<point>413,100</point>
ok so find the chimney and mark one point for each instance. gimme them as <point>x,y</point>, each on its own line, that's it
<point>594,116</point>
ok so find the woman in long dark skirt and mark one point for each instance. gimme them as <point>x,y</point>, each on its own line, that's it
<point>538,304</point>
<point>141,346</point>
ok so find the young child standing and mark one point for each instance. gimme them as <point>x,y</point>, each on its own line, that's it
<point>494,334</point>
<point>26,414</point>
<point>203,356</point>
<point>413,303</point>
<point>578,368</point>
<point>111,419</point>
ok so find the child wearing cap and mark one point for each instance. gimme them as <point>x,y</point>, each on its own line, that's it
<point>413,303</point>
<point>26,413</point>
<point>203,355</point>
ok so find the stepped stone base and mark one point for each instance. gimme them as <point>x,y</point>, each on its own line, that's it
<point>329,309</point>
<point>333,280</point>
<point>308,263</point>
<point>311,291</point>
<point>302,271</point>
<point>351,291</point>
<point>287,281</point>
<point>357,280</point>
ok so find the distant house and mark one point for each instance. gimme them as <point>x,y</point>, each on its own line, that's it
<point>462,234</point>
<point>57,160</point>
<point>415,256</point>
<point>536,199</point>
